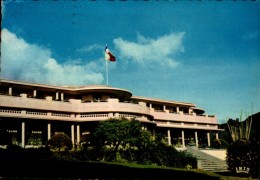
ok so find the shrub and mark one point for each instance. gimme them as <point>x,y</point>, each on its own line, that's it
<point>244,155</point>
<point>60,141</point>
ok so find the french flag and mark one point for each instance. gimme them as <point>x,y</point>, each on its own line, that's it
<point>109,56</point>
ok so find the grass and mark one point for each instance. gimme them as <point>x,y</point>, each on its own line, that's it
<point>213,175</point>
<point>57,169</point>
<point>16,165</point>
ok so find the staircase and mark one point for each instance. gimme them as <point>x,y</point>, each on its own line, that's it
<point>207,162</point>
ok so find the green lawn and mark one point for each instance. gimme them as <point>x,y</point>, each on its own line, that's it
<point>57,169</point>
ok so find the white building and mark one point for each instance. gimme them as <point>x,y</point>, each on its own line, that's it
<point>32,113</point>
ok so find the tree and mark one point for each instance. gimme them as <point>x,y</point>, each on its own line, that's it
<point>60,141</point>
<point>125,140</point>
<point>115,134</point>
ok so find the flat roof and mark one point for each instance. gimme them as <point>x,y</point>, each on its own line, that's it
<point>70,89</point>
<point>155,100</point>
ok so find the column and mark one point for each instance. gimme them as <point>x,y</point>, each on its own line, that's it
<point>57,96</point>
<point>196,139</point>
<point>150,105</point>
<point>169,137</point>
<point>217,135</point>
<point>10,91</point>
<point>23,134</point>
<point>72,134</point>
<point>78,134</point>
<point>208,137</point>
<point>164,108</point>
<point>34,93</point>
<point>177,109</point>
<point>62,96</point>
<point>110,115</point>
<point>49,131</point>
<point>183,138</point>
<point>116,115</point>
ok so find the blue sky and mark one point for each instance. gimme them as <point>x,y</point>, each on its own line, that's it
<point>202,52</point>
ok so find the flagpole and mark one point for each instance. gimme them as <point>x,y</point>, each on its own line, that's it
<point>108,57</point>
<point>107,71</point>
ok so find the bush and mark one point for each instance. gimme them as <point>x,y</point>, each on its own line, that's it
<point>60,141</point>
<point>254,165</point>
<point>243,155</point>
<point>121,140</point>
<point>238,156</point>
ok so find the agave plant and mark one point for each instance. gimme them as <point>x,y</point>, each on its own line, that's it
<point>239,129</point>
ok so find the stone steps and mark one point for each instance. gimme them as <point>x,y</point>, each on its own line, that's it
<point>207,162</point>
<point>208,165</point>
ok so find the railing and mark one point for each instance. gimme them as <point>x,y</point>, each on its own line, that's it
<point>129,115</point>
<point>205,119</point>
<point>5,111</point>
<point>74,106</point>
<point>194,125</point>
<point>37,113</point>
<point>65,116</point>
<point>87,111</point>
<point>84,115</point>
<point>61,114</point>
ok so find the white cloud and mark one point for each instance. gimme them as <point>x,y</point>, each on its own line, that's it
<point>2,8</point>
<point>91,48</point>
<point>28,62</point>
<point>148,51</point>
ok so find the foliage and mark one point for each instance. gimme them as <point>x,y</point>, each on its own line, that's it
<point>243,155</point>
<point>239,129</point>
<point>123,140</point>
<point>254,165</point>
<point>113,134</point>
<point>52,169</point>
<point>15,152</point>
<point>255,130</point>
<point>225,136</point>
<point>238,156</point>
<point>60,141</point>
<point>40,160</point>
<point>217,144</point>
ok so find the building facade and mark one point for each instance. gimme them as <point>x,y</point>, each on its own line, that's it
<point>31,113</point>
